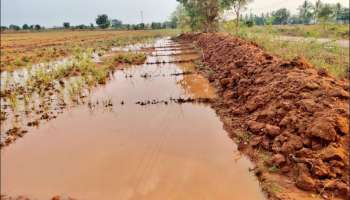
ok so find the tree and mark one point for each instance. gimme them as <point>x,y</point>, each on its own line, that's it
<point>238,6</point>
<point>117,23</point>
<point>281,16</point>
<point>305,11</point>
<point>81,26</point>
<point>326,13</point>
<point>37,27</point>
<point>141,26</point>
<point>156,25</point>
<point>66,25</point>
<point>260,20</point>
<point>25,27</point>
<point>14,27</point>
<point>338,10</point>
<point>102,21</point>
<point>317,8</point>
<point>344,15</point>
<point>173,20</point>
<point>4,28</point>
<point>295,19</point>
<point>182,18</point>
<point>202,15</point>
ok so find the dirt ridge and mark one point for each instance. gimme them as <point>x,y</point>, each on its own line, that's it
<point>295,114</point>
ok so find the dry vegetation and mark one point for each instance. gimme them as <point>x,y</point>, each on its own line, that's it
<point>24,49</point>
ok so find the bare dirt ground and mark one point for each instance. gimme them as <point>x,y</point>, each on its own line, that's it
<point>290,118</point>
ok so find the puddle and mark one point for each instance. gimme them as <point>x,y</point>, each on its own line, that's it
<point>163,151</point>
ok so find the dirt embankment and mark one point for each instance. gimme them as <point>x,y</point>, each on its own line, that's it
<point>294,115</point>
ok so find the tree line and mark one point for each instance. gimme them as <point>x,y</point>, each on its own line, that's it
<point>24,27</point>
<point>204,15</point>
<point>103,22</point>
<point>308,13</point>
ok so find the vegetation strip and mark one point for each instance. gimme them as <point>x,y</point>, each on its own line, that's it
<point>173,61</point>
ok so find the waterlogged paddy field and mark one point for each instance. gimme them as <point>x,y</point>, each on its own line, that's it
<point>141,131</point>
<point>24,49</point>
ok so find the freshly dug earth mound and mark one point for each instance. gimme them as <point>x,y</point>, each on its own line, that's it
<point>295,114</point>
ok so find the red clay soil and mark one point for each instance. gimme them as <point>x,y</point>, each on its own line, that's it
<point>295,113</point>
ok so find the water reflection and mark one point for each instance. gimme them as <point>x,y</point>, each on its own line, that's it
<point>174,151</point>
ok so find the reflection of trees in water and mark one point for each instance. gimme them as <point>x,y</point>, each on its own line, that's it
<point>196,86</point>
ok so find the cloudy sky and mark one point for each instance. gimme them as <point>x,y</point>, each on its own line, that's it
<point>54,12</point>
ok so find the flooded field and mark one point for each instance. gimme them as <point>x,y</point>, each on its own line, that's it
<point>156,138</point>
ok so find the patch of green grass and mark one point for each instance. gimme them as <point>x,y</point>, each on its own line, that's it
<point>329,56</point>
<point>243,136</point>
<point>274,169</point>
<point>327,30</point>
<point>128,58</point>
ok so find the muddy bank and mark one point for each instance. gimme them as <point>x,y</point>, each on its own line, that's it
<point>291,119</point>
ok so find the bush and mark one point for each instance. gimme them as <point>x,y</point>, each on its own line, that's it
<point>249,23</point>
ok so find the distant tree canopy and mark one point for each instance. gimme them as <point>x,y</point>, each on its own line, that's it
<point>156,25</point>
<point>25,27</point>
<point>102,21</point>
<point>327,13</point>
<point>238,6</point>
<point>305,12</point>
<point>117,23</point>
<point>37,27</point>
<point>4,28</point>
<point>280,16</point>
<point>66,25</point>
<point>203,15</point>
<point>343,15</point>
<point>308,13</point>
<point>14,27</point>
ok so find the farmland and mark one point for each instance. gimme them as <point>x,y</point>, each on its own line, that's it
<point>24,49</point>
<point>217,102</point>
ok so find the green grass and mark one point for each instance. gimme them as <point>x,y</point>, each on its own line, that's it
<point>329,56</point>
<point>332,31</point>
<point>127,58</point>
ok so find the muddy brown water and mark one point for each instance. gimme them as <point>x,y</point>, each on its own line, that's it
<point>132,152</point>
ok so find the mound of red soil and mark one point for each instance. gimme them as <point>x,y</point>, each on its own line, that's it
<point>295,112</point>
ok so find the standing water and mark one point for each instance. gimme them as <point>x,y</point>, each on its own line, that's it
<point>145,146</point>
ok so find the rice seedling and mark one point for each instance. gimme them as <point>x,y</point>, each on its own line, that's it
<point>13,102</point>
<point>27,100</point>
